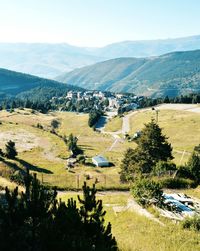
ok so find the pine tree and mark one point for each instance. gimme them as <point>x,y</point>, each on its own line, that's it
<point>11,151</point>
<point>194,166</point>
<point>152,148</point>
<point>154,144</point>
<point>34,220</point>
<point>72,145</point>
<point>91,210</point>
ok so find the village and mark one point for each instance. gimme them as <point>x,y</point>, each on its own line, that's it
<point>109,101</point>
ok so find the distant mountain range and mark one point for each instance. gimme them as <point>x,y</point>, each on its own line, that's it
<point>171,74</point>
<point>15,83</point>
<point>51,60</point>
<point>44,60</point>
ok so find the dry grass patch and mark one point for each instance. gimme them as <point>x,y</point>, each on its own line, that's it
<point>134,232</point>
<point>181,128</point>
<point>114,124</point>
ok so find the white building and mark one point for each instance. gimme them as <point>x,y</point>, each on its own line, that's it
<point>71,95</point>
<point>100,161</point>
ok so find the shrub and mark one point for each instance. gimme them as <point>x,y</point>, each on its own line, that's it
<point>81,159</point>
<point>184,172</point>
<point>194,166</point>
<point>11,151</point>
<point>145,190</point>
<point>192,223</point>
<point>55,124</point>
<point>163,167</point>
<point>39,126</point>
<point>17,177</point>
<point>177,183</point>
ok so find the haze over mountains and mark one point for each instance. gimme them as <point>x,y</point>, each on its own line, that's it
<point>170,74</point>
<point>44,60</point>
<point>51,60</point>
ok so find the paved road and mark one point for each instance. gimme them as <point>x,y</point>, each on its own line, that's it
<point>180,107</point>
<point>126,120</point>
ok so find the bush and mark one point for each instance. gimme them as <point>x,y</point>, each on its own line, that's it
<point>192,223</point>
<point>55,124</point>
<point>81,159</point>
<point>11,151</point>
<point>17,177</point>
<point>177,183</point>
<point>94,116</point>
<point>39,126</point>
<point>163,167</point>
<point>194,166</point>
<point>184,172</point>
<point>145,190</point>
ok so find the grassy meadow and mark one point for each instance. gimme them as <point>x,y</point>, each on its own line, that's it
<point>114,124</point>
<point>181,127</point>
<point>45,153</point>
<point>134,232</point>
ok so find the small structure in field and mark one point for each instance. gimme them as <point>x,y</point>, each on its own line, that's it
<point>137,134</point>
<point>71,163</point>
<point>100,161</point>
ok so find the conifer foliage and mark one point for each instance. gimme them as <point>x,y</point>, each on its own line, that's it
<point>36,220</point>
<point>152,147</point>
<point>11,151</point>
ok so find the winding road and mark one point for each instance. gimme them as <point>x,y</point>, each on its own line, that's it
<point>126,121</point>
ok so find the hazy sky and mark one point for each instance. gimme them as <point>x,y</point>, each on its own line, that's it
<point>97,22</point>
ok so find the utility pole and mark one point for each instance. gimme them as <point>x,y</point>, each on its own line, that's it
<point>157,111</point>
<point>157,115</point>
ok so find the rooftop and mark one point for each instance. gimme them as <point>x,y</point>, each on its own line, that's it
<point>99,159</point>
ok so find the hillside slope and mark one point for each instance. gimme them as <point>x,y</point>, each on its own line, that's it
<point>170,74</point>
<point>13,83</point>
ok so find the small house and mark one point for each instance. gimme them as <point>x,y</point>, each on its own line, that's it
<point>100,161</point>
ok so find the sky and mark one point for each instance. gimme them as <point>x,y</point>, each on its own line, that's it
<point>95,23</point>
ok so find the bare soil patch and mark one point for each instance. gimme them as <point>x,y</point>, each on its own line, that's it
<point>25,141</point>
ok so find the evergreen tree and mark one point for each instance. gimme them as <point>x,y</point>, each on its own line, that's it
<point>34,220</point>
<point>152,148</point>
<point>72,145</point>
<point>91,210</point>
<point>166,100</point>
<point>55,124</point>
<point>11,151</point>
<point>194,166</point>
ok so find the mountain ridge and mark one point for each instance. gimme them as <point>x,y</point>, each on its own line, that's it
<point>169,74</point>
<point>13,83</point>
<point>50,60</point>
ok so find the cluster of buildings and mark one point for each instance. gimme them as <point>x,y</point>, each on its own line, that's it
<point>87,95</point>
<point>114,101</point>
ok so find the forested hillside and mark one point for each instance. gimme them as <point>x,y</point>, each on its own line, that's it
<point>15,83</point>
<point>170,74</point>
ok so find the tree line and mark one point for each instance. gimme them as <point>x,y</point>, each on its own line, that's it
<point>192,98</point>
